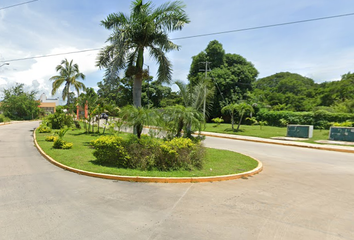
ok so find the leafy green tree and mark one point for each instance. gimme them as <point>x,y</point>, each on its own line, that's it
<point>59,119</point>
<point>119,91</point>
<point>69,74</point>
<point>71,103</point>
<point>108,89</point>
<point>145,28</point>
<point>214,54</point>
<point>337,94</point>
<point>287,91</point>
<point>156,95</point>
<point>231,74</point>
<point>19,104</point>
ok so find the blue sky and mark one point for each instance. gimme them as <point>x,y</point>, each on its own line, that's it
<point>322,50</point>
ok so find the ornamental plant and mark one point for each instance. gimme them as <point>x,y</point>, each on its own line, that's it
<point>146,153</point>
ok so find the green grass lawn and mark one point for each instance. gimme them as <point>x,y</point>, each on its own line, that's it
<point>265,132</point>
<point>217,162</point>
<point>247,130</point>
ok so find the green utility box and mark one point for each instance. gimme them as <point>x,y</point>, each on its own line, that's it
<point>342,134</point>
<point>300,131</point>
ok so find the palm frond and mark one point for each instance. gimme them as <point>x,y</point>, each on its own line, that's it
<point>164,72</point>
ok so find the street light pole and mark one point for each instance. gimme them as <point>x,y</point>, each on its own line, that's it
<point>206,76</point>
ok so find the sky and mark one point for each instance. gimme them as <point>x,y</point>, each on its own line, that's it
<point>321,50</point>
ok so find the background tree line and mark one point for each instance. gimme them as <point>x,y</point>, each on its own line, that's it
<point>231,78</point>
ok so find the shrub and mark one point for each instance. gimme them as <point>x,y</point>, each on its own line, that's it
<point>61,133</point>
<point>67,145</point>
<point>180,153</point>
<point>217,120</point>
<point>343,124</point>
<point>149,153</point>
<point>4,119</point>
<point>59,120</point>
<point>50,138</point>
<point>77,124</point>
<point>320,119</point>
<point>58,143</point>
<point>283,122</point>
<point>110,150</point>
<point>61,144</point>
<point>44,129</point>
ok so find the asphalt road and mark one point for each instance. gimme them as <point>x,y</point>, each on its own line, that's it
<point>301,194</point>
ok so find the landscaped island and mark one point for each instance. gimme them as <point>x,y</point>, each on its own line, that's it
<point>81,156</point>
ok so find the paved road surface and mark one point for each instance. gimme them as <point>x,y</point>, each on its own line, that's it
<point>301,194</point>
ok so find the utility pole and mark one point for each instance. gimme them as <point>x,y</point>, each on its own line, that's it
<point>4,64</point>
<point>206,76</point>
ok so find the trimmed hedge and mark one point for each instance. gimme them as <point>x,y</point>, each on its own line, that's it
<point>148,153</point>
<point>321,119</point>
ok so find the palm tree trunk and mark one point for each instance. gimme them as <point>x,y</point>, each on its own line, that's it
<point>138,79</point>
<point>98,124</point>
<point>137,85</point>
<point>232,122</point>
<point>137,88</point>
<point>239,123</point>
<point>179,128</point>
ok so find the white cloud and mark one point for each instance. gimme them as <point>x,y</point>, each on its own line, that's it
<point>321,50</point>
<point>37,72</point>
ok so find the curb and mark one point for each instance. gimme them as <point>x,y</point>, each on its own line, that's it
<point>255,171</point>
<point>260,140</point>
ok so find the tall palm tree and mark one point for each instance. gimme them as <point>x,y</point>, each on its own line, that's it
<point>145,29</point>
<point>69,74</point>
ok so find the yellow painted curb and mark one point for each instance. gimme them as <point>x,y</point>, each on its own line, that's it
<point>257,170</point>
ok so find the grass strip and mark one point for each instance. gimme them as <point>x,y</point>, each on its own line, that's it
<point>265,132</point>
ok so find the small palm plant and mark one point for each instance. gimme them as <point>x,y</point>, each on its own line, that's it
<point>240,108</point>
<point>59,143</point>
<point>137,117</point>
<point>218,121</point>
<point>178,118</point>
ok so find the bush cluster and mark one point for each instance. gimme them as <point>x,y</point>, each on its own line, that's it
<point>50,138</point>
<point>44,129</point>
<point>59,120</point>
<point>148,153</point>
<point>344,124</point>
<point>3,118</point>
<point>61,144</point>
<point>321,119</point>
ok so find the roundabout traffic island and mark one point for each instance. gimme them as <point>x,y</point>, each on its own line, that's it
<point>154,179</point>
